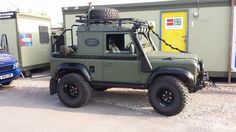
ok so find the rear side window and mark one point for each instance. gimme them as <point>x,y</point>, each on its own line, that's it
<point>43,34</point>
<point>119,43</point>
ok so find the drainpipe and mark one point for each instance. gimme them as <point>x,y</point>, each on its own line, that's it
<point>231,40</point>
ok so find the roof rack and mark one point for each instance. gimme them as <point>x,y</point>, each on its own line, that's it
<point>119,21</point>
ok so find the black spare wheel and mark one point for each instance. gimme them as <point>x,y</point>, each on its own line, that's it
<point>104,13</point>
<point>74,90</point>
<point>168,95</point>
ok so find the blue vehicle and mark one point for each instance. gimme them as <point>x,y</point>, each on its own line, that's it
<point>9,67</point>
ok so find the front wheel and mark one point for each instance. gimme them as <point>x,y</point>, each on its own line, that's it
<point>168,95</point>
<point>74,90</point>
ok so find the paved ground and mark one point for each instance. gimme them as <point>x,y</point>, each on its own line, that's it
<point>28,108</point>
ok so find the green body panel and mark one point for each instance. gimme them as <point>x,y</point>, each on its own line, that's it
<point>101,28</point>
<point>93,50</point>
<point>128,71</point>
<point>188,62</point>
<point>119,67</point>
<point>122,71</point>
<point>178,60</point>
<point>97,75</point>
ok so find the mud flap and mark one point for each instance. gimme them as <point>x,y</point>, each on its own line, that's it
<point>53,86</point>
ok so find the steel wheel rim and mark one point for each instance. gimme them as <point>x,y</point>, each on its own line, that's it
<point>165,96</point>
<point>71,90</point>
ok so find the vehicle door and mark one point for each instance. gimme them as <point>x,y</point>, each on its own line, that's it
<point>121,61</point>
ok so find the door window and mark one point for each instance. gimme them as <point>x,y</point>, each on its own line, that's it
<point>120,44</point>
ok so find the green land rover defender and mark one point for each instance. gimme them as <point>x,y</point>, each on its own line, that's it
<point>119,52</point>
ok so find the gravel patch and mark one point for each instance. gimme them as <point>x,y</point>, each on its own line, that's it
<point>29,107</point>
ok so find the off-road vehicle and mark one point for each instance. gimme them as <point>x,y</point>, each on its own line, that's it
<point>119,52</point>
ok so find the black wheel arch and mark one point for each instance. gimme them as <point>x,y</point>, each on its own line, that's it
<point>184,75</point>
<point>67,68</point>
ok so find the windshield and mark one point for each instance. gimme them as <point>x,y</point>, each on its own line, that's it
<point>145,43</point>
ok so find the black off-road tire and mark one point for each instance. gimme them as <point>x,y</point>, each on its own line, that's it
<point>73,81</point>
<point>104,13</point>
<point>162,101</point>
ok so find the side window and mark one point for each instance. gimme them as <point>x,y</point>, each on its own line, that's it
<point>43,34</point>
<point>119,43</point>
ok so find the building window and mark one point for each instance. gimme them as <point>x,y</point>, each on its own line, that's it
<point>119,43</point>
<point>43,34</point>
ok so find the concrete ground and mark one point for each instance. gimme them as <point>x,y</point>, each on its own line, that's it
<point>27,107</point>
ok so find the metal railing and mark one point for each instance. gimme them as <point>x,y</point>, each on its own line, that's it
<point>63,35</point>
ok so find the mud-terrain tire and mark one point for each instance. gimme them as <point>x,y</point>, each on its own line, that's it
<point>168,95</point>
<point>104,13</point>
<point>74,90</point>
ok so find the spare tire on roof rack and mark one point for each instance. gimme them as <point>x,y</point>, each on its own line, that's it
<point>103,13</point>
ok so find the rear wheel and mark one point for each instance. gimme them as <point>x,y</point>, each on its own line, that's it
<point>168,95</point>
<point>74,90</point>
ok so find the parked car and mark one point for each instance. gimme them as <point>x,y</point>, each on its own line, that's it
<point>9,67</point>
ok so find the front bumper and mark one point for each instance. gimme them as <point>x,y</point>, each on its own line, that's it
<point>53,86</point>
<point>16,74</point>
<point>203,78</point>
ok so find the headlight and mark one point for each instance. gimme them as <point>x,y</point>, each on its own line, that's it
<point>16,65</point>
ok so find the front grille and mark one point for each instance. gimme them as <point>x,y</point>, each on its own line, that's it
<point>5,68</point>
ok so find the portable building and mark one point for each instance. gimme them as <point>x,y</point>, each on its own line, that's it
<point>200,27</point>
<point>28,37</point>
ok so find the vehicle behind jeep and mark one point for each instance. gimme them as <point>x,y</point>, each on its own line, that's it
<point>9,67</point>
<point>119,52</point>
